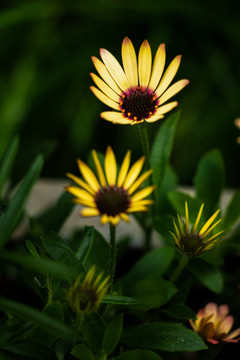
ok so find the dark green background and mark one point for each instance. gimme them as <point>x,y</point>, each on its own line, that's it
<point>45,57</point>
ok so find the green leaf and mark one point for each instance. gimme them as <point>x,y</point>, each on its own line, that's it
<point>162,147</point>
<point>54,217</point>
<point>93,329</point>
<point>162,336</point>
<point>82,352</point>
<point>33,349</point>
<point>17,203</point>
<point>59,250</point>
<point>44,266</point>
<point>209,179</point>
<point>209,275</point>
<point>153,291</point>
<point>120,300</point>
<point>31,248</point>
<point>112,334</point>
<point>180,311</point>
<point>38,318</point>
<point>232,212</point>
<point>154,262</point>
<point>86,243</point>
<point>138,355</point>
<point>7,161</point>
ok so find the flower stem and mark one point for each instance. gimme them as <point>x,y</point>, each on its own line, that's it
<point>145,142</point>
<point>179,269</point>
<point>112,256</point>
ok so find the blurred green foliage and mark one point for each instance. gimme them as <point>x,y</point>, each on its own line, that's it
<point>45,57</point>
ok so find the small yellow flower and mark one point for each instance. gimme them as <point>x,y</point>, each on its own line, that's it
<point>137,91</point>
<point>84,297</point>
<point>112,195</point>
<point>213,324</point>
<point>192,242</point>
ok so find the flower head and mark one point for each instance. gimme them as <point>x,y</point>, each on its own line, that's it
<point>191,241</point>
<point>137,91</point>
<point>213,324</point>
<point>84,297</point>
<point>112,195</point>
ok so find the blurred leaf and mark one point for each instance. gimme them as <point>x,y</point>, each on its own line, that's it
<point>93,329</point>
<point>38,318</point>
<point>154,262</point>
<point>33,349</point>
<point>31,248</point>
<point>153,291</point>
<point>138,355</point>
<point>120,300</point>
<point>180,311</point>
<point>17,203</point>
<point>209,179</point>
<point>6,162</point>
<point>209,275</point>
<point>44,266</point>
<point>232,212</point>
<point>13,331</point>
<point>85,243</point>
<point>178,201</point>
<point>162,336</point>
<point>163,206</point>
<point>82,352</point>
<point>112,334</point>
<point>162,224</point>
<point>161,149</point>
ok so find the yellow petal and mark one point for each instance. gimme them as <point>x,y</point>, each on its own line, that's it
<point>198,218</point>
<point>158,66</point>
<point>168,75</point>
<point>104,219</point>
<point>105,88</point>
<point>133,172</point>
<point>142,202</point>
<point>130,62</point>
<point>175,239</point>
<point>208,223</point>
<point>105,99</point>
<point>125,217</point>
<point>144,64</point>
<point>154,118</point>
<point>110,166</point>
<point>176,230</point>
<point>139,181</point>
<point>80,193</point>
<point>114,69</point>
<point>88,175</point>
<point>115,117</point>
<point>89,212</point>
<point>88,203</point>
<point>124,169</point>
<point>187,216</point>
<point>81,183</point>
<point>137,209</point>
<point>166,108</point>
<point>103,72</point>
<point>173,90</point>
<point>211,228</point>
<point>114,220</point>
<point>143,193</point>
<point>99,169</point>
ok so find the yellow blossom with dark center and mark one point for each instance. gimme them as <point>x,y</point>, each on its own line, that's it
<point>138,91</point>
<point>85,296</point>
<point>193,242</point>
<point>112,194</point>
<point>213,324</point>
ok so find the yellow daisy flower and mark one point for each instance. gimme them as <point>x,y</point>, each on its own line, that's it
<point>137,91</point>
<point>112,194</point>
<point>213,324</point>
<point>193,242</point>
<point>85,296</point>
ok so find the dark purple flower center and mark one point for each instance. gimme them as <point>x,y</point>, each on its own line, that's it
<point>139,104</point>
<point>112,201</point>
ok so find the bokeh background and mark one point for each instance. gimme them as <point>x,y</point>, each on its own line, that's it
<point>45,56</point>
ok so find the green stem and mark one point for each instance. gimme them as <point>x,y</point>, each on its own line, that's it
<point>145,142</point>
<point>179,269</point>
<point>112,256</point>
